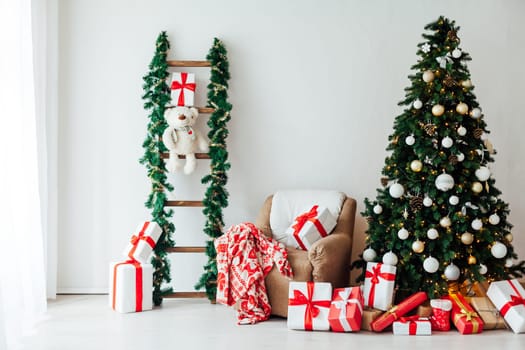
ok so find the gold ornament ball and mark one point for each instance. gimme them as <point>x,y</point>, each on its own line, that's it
<point>477,187</point>
<point>462,108</point>
<point>438,110</point>
<point>428,76</point>
<point>509,237</point>
<point>418,246</point>
<point>416,166</point>
<point>467,238</point>
<point>472,260</point>
<point>466,83</point>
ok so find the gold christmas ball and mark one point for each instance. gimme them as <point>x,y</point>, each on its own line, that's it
<point>416,166</point>
<point>438,110</point>
<point>477,187</point>
<point>462,108</point>
<point>467,238</point>
<point>466,83</point>
<point>472,260</point>
<point>509,237</point>
<point>418,246</point>
<point>428,76</point>
<point>437,73</point>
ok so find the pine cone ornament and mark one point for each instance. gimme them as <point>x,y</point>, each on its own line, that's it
<point>369,219</point>
<point>452,36</point>
<point>477,133</point>
<point>449,81</point>
<point>384,181</point>
<point>453,159</point>
<point>416,203</point>
<point>430,129</point>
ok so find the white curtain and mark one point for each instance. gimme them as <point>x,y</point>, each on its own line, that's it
<point>23,168</point>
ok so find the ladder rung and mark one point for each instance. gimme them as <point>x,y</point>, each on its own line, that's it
<point>183,204</point>
<point>186,250</point>
<point>186,295</point>
<point>206,110</point>
<point>166,155</point>
<point>188,63</point>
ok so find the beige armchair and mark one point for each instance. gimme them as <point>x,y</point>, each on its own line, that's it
<point>328,260</point>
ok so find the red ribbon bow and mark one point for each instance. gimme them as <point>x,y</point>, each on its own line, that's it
<point>135,239</point>
<point>374,279</point>
<point>176,85</point>
<point>515,300</point>
<point>312,306</point>
<point>412,324</point>
<point>303,219</point>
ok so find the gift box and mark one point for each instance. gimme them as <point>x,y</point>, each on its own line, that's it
<point>182,89</point>
<point>413,325</point>
<point>488,313</point>
<point>130,286</point>
<point>310,227</point>
<point>346,310</point>
<point>401,309</point>
<point>424,310</point>
<point>309,305</point>
<point>509,298</point>
<point>369,315</point>
<point>464,317</point>
<point>379,285</point>
<point>474,289</point>
<point>143,241</point>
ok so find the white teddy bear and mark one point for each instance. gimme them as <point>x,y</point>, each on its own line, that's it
<point>181,139</point>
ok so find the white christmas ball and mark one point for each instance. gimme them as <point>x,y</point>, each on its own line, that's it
<point>462,131</point>
<point>483,269</point>
<point>369,254</point>
<point>462,108</point>
<point>509,262</point>
<point>428,76</point>
<point>476,224</point>
<point>444,182</point>
<point>447,142</point>
<point>432,233</point>
<point>453,200</point>
<point>418,246</point>
<point>427,201</point>
<point>452,272</point>
<point>410,140</point>
<point>396,190</point>
<point>467,238</point>
<point>402,233</point>
<point>498,250</point>
<point>483,173</point>
<point>390,259</point>
<point>417,104</point>
<point>456,53</point>
<point>475,113</point>
<point>431,264</point>
<point>461,157</point>
<point>445,222</point>
<point>494,219</point>
<point>378,209</point>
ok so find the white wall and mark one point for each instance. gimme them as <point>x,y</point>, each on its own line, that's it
<point>315,86</point>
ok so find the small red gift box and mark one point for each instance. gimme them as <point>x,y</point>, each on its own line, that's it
<point>398,311</point>
<point>466,320</point>
<point>346,310</point>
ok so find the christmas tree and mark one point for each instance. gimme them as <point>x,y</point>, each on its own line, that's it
<point>439,216</point>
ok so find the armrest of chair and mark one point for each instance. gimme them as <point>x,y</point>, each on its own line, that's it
<point>330,258</point>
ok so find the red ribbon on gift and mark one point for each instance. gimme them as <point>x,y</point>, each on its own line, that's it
<point>515,300</point>
<point>303,219</point>
<point>312,306</point>
<point>374,279</point>
<point>138,284</point>
<point>135,239</point>
<point>176,85</point>
<point>412,324</point>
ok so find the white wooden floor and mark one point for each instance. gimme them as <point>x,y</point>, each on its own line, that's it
<point>85,322</point>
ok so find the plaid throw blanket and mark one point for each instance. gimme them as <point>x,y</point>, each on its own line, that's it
<point>244,257</point>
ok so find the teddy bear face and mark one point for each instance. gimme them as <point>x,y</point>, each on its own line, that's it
<point>178,117</point>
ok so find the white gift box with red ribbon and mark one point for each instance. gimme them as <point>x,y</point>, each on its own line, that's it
<point>143,241</point>
<point>130,286</point>
<point>310,227</point>
<point>308,306</point>
<point>379,285</point>
<point>413,325</point>
<point>509,298</point>
<point>346,311</point>
<point>182,89</point>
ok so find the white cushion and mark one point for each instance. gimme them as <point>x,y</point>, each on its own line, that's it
<point>287,205</point>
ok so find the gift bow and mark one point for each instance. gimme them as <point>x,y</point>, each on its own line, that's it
<point>341,305</point>
<point>135,239</point>
<point>303,219</point>
<point>468,314</point>
<point>515,300</point>
<point>374,276</point>
<point>176,85</point>
<point>312,306</point>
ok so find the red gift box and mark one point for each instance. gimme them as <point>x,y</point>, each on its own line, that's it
<point>398,311</point>
<point>465,318</point>
<point>346,310</point>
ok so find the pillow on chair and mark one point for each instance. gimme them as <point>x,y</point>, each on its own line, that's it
<point>287,205</point>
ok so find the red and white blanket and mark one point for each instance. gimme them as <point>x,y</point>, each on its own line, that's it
<point>244,257</point>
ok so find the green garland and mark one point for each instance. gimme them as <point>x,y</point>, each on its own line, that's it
<point>156,96</point>
<point>216,196</point>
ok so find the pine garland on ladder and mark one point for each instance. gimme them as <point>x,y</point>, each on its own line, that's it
<point>216,196</point>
